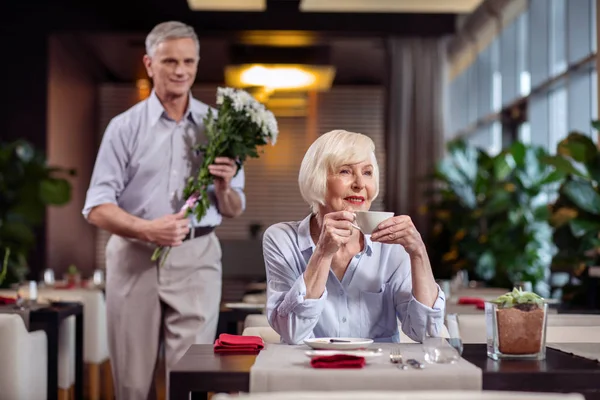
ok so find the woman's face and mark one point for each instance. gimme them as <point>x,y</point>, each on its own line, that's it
<point>350,187</point>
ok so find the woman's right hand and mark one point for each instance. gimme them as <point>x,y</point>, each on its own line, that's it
<point>336,230</point>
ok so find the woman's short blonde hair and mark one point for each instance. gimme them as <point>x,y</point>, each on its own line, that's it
<point>328,152</point>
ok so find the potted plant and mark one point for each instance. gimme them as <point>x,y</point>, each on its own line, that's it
<point>576,218</point>
<point>516,326</point>
<point>73,277</point>
<point>27,186</point>
<point>490,214</point>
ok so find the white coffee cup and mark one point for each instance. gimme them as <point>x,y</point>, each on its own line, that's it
<point>368,221</point>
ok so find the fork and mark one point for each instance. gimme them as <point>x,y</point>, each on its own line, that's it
<point>396,358</point>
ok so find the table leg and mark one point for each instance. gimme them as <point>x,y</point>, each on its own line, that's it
<point>79,356</point>
<point>50,326</point>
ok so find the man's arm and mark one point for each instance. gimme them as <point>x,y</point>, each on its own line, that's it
<point>165,231</point>
<point>113,219</point>
<point>108,181</point>
<point>229,189</point>
<point>230,203</point>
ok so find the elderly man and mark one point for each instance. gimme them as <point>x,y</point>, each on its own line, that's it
<point>135,193</point>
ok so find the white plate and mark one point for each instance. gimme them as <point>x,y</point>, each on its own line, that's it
<point>245,306</point>
<point>325,344</point>
<point>358,353</point>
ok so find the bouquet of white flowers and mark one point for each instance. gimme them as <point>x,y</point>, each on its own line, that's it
<point>240,126</point>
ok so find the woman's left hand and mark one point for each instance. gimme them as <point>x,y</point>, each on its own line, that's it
<point>400,230</point>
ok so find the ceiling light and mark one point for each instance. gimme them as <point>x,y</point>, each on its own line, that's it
<point>278,38</point>
<point>280,76</point>
<point>390,6</point>
<point>227,5</point>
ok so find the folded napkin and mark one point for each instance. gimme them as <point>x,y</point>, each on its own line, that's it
<point>227,343</point>
<point>7,300</point>
<point>66,286</point>
<point>480,303</point>
<point>338,361</point>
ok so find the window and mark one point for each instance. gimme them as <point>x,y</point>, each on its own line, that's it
<point>558,117</point>
<point>541,63</point>
<point>558,30</point>
<point>522,52</point>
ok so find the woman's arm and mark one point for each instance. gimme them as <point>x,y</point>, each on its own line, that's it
<point>410,310</point>
<point>290,310</point>
<point>416,295</point>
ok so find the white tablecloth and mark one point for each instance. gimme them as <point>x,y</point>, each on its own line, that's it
<point>280,367</point>
<point>586,350</point>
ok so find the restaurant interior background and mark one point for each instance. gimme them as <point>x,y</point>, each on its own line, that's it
<point>412,75</point>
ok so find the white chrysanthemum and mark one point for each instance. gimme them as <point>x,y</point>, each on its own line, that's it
<point>224,92</point>
<point>270,126</point>
<point>243,102</point>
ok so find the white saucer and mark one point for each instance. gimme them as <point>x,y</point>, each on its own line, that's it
<point>348,344</point>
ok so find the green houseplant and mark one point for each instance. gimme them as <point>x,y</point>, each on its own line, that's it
<point>492,216</point>
<point>461,180</point>
<point>27,186</point>
<point>576,215</point>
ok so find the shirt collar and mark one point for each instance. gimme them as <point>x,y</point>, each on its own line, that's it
<point>305,241</point>
<point>156,109</point>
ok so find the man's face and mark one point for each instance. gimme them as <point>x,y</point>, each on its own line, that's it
<point>173,67</point>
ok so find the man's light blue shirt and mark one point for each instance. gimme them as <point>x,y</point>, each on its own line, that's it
<point>145,159</point>
<point>375,292</point>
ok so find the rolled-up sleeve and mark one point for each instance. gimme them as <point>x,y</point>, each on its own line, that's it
<point>413,314</point>
<point>108,178</point>
<point>290,314</point>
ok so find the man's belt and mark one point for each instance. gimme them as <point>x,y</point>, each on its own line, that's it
<point>199,231</point>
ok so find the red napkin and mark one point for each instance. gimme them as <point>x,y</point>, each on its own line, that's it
<point>7,300</point>
<point>338,361</point>
<point>227,343</point>
<point>480,303</point>
<point>65,286</point>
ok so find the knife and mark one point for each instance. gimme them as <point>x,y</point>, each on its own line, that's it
<point>415,364</point>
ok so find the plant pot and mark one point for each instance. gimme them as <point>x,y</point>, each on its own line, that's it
<point>73,280</point>
<point>516,332</point>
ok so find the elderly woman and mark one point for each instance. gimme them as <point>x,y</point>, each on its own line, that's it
<point>327,279</point>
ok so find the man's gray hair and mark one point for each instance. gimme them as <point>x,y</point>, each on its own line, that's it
<point>167,31</point>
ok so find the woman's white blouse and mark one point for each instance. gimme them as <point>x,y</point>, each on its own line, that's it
<point>375,292</point>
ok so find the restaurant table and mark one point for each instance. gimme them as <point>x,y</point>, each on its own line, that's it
<point>49,319</point>
<point>201,371</point>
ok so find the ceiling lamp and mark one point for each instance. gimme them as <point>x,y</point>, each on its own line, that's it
<point>280,76</point>
<point>227,5</point>
<point>390,6</point>
<point>280,68</point>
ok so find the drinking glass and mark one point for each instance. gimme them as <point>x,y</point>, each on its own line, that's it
<point>49,279</point>
<point>98,277</point>
<point>436,348</point>
<point>454,338</point>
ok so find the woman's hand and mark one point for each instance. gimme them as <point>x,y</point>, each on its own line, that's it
<point>336,230</point>
<point>400,230</point>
